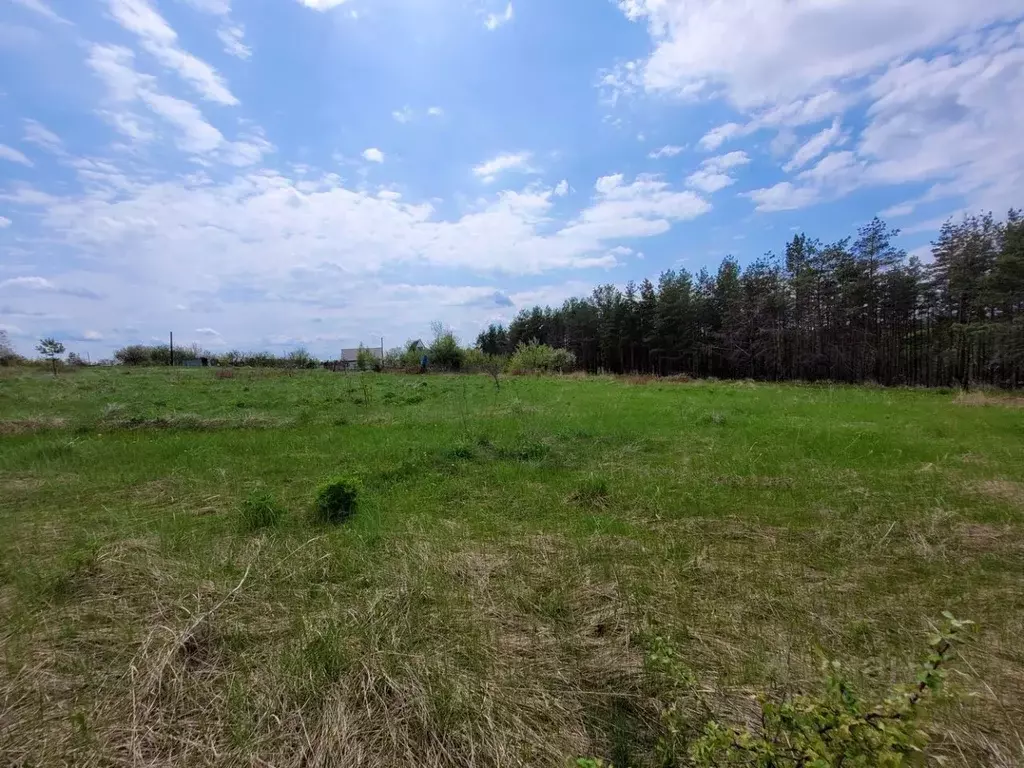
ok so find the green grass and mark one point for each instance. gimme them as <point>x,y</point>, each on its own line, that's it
<point>168,596</point>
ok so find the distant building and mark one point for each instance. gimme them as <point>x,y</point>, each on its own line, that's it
<point>350,357</point>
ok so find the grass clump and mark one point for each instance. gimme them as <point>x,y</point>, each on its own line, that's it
<point>336,500</point>
<point>461,452</point>
<point>592,491</point>
<point>259,510</point>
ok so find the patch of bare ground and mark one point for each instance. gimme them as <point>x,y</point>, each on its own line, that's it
<point>193,422</point>
<point>987,399</point>
<point>30,425</point>
<point>19,484</point>
<point>1008,491</point>
<point>984,538</point>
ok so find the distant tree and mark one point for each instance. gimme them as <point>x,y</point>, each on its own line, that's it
<point>300,358</point>
<point>493,341</point>
<point>52,349</point>
<point>445,352</point>
<point>75,360</point>
<point>856,309</point>
<point>365,361</point>
<point>133,354</point>
<point>7,353</point>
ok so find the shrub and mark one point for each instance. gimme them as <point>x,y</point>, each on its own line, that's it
<point>365,359</point>
<point>445,352</point>
<point>259,510</point>
<point>133,354</point>
<point>8,355</point>
<point>540,358</point>
<point>832,727</point>
<point>405,358</point>
<point>336,500</point>
<point>474,360</point>
<point>300,358</point>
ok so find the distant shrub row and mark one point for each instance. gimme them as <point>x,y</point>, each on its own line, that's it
<point>160,354</point>
<point>444,354</point>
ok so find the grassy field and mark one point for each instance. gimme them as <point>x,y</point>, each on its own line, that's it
<point>512,553</point>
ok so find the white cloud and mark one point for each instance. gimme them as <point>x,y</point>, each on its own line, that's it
<point>262,226</point>
<point>373,155</point>
<point>193,133</point>
<point>128,124</point>
<point>815,146</point>
<point>160,41</point>
<point>495,20</point>
<point>38,6</point>
<point>232,37</point>
<point>30,283</point>
<point>322,5</point>
<point>896,211</point>
<point>623,79</point>
<point>38,134</point>
<point>213,7</point>
<point>712,177</point>
<point>727,161</point>
<point>669,150</point>
<point>92,336</point>
<point>285,243</point>
<point>834,175</point>
<point>562,188</point>
<point>762,52</point>
<point>230,34</point>
<point>644,208</point>
<point>708,180</point>
<point>403,115</point>
<point>941,84</point>
<point>12,154</point>
<point>836,170</point>
<point>435,111</point>
<point>4,222</point>
<point>784,196</point>
<point>716,137</point>
<point>950,122</point>
<point>42,285</point>
<point>517,162</point>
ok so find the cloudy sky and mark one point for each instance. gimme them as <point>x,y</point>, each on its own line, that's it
<point>275,173</point>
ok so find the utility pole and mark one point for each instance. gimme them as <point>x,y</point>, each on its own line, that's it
<point>172,349</point>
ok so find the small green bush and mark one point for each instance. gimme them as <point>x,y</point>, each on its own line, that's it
<point>540,358</point>
<point>834,726</point>
<point>445,353</point>
<point>259,510</point>
<point>336,500</point>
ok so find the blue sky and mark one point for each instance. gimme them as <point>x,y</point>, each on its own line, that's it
<point>319,173</point>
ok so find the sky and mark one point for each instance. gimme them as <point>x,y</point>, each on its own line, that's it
<point>275,174</point>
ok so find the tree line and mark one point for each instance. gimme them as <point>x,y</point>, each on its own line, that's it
<point>858,309</point>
